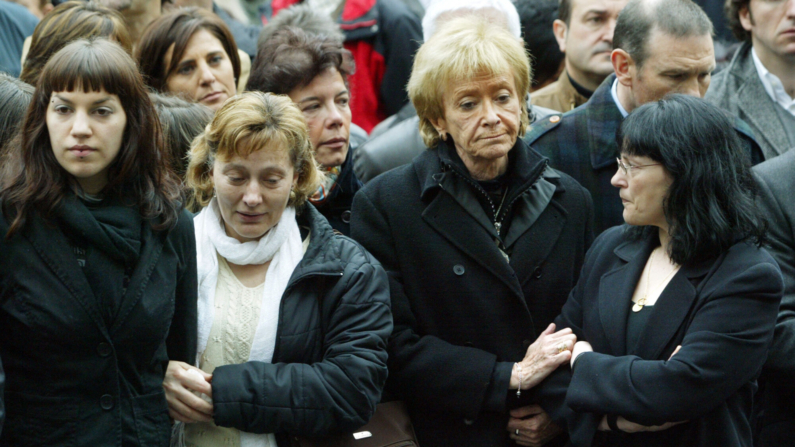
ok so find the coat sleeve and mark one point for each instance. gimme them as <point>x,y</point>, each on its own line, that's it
<point>338,393</point>
<point>781,239</point>
<point>723,348</point>
<point>426,370</point>
<point>181,341</point>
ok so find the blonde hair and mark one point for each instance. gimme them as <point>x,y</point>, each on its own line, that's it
<point>250,122</point>
<point>463,49</point>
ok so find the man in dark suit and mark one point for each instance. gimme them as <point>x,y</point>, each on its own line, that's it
<point>759,82</point>
<point>582,143</point>
<point>776,187</point>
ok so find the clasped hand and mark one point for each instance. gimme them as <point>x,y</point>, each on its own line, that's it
<point>549,351</point>
<point>180,385</point>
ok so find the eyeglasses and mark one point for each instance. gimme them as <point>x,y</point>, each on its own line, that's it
<point>627,168</point>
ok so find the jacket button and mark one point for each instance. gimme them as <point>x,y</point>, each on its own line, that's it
<point>346,216</point>
<point>106,402</point>
<point>458,269</point>
<point>469,421</point>
<point>537,273</point>
<point>104,349</point>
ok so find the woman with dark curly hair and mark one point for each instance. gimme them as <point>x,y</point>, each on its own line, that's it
<point>674,313</point>
<point>98,267</point>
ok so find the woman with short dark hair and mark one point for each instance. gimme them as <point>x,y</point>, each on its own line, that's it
<point>190,52</point>
<point>675,312</point>
<point>313,71</point>
<point>98,268</point>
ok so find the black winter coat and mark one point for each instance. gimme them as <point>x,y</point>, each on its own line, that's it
<point>721,311</point>
<point>463,314</point>
<point>71,378</point>
<point>329,364</point>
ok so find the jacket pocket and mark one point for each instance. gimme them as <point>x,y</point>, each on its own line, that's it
<point>151,420</point>
<point>34,421</point>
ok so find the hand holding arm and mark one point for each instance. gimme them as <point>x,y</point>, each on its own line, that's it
<point>549,351</point>
<point>531,426</point>
<point>180,385</point>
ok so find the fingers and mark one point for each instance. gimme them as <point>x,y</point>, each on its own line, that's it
<point>523,412</point>
<point>184,413</point>
<point>533,431</point>
<point>675,351</point>
<point>549,330</point>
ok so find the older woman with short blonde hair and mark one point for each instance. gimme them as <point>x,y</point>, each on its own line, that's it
<point>482,241</point>
<point>293,317</point>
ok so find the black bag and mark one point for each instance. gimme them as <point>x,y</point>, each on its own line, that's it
<point>389,427</point>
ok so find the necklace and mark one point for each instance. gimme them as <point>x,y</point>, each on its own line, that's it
<point>642,302</point>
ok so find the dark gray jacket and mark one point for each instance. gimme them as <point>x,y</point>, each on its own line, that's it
<point>738,90</point>
<point>776,179</point>
<point>329,364</point>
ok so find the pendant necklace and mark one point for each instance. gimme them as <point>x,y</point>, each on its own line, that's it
<point>638,306</point>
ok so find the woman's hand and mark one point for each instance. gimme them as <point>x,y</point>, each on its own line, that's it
<point>531,426</point>
<point>549,351</point>
<point>180,385</point>
<point>579,348</point>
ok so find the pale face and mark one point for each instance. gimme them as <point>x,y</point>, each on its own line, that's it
<point>642,191</point>
<point>205,71</point>
<point>673,65</point>
<point>253,192</point>
<point>588,39</point>
<point>325,103</point>
<point>772,26</point>
<point>482,116</point>
<point>86,131</point>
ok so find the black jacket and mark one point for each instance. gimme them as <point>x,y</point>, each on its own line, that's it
<point>73,379</point>
<point>721,311</point>
<point>329,364</point>
<point>463,314</point>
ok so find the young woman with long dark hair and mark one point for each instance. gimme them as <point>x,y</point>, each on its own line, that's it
<point>98,266</point>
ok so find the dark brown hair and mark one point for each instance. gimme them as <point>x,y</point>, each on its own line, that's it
<point>291,58</point>
<point>564,11</point>
<point>66,23</point>
<point>732,9</point>
<point>176,28</point>
<point>140,172</point>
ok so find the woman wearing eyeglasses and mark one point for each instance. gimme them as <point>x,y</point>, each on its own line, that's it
<point>674,312</point>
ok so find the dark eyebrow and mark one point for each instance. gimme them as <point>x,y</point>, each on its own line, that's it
<point>595,11</point>
<point>310,98</point>
<point>99,101</point>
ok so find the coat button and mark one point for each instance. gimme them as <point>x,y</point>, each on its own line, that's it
<point>346,216</point>
<point>106,402</point>
<point>537,273</point>
<point>554,119</point>
<point>104,349</point>
<point>458,269</point>
<point>469,421</point>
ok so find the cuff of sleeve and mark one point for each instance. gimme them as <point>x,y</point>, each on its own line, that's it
<point>495,393</point>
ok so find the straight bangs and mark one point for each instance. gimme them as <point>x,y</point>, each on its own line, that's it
<point>90,71</point>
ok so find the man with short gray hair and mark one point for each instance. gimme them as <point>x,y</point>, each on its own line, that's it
<point>582,143</point>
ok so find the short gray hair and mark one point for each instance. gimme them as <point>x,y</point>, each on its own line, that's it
<point>304,17</point>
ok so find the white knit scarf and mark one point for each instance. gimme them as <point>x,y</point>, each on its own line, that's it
<point>282,246</point>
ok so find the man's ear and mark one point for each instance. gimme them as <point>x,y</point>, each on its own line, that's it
<point>560,30</point>
<point>746,19</point>
<point>623,65</point>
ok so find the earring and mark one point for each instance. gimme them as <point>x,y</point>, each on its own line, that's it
<point>292,195</point>
<point>443,135</point>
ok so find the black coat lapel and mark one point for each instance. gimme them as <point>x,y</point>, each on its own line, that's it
<point>672,309</point>
<point>616,289</point>
<point>53,247</point>
<point>446,216</point>
<point>534,248</point>
<point>150,255</point>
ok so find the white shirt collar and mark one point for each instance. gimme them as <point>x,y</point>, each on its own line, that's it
<point>773,85</point>
<point>614,92</point>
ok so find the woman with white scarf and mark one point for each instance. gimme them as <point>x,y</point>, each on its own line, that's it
<point>293,317</point>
